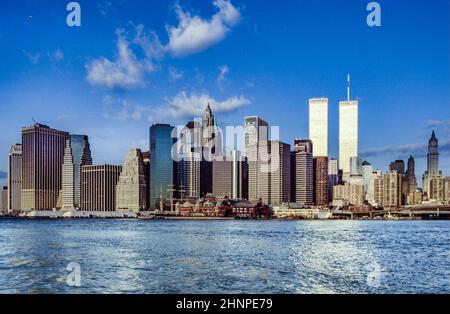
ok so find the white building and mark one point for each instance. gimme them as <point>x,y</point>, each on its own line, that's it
<point>68,179</point>
<point>131,188</point>
<point>348,134</point>
<point>371,187</point>
<point>318,126</point>
<point>256,132</point>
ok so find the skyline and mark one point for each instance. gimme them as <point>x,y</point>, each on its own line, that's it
<point>237,72</point>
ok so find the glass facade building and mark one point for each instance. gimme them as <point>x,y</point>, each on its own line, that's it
<point>162,163</point>
<point>81,153</point>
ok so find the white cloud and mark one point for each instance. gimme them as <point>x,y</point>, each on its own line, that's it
<point>121,109</point>
<point>57,56</point>
<point>149,42</point>
<point>183,105</point>
<point>194,34</point>
<point>33,58</point>
<point>104,6</point>
<point>175,74</point>
<point>125,71</point>
<point>223,71</point>
<point>190,105</point>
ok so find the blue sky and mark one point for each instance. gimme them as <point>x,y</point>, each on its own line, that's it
<point>132,63</point>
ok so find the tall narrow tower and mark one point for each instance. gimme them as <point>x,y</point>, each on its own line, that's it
<point>68,179</point>
<point>318,125</point>
<point>411,175</point>
<point>348,132</point>
<point>433,157</point>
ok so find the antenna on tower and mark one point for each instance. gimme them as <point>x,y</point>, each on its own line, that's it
<point>348,87</point>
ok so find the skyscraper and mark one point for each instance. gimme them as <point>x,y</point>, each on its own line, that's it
<point>303,172</point>
<point>14,177</point>
<point>189,167</point>
<point>131,188</point>
<point>230,176</point>
<point>256,132</point>
<point>398,165</point>
<point>68,180</point>
<point>279,189</point>
<point>318,126</point>
<point>333,176</point>
<point>210,143</point>
<point>433,156</point>
<point>146,161</point>
<point>162,164</point>
<point>432,163</point>
<point>367,173</point>
<point>392,189</point>
<point>81,153</point>
<point>320,171</point>
<point>348,132</point>
<point>98,187</point>
<point>77,153</point>
<point>42,159</point>
<point>411,175</point>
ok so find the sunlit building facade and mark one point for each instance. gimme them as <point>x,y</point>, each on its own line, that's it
<point>318,126</point>
<point>42,159</point>
<point>348,135</point>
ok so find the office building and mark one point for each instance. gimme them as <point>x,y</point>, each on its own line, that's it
<point>146,162</point>
<point>447,189</point>
<point>318,126</point>
<point>437,189</point>
<point>68,180</point>
<point>349,193</point>
<point>230,177</point>
<point>411,175</point>
<point>372,188</point>
<point>190,162</point>
<point>392,189</point>
<point>131,188</point>
<point>398,165</point>
<point>256,132</point>
<point>14,177</point>
<point>303,172</point>
<point>77,153</point>
<point>211,144</point>
<point>162,170</point>
<point>4,198</point>
<point>280,171</point>
<point>432,164</point>
<point>355,165</point>
<point>415,197</point>
<point>320,179</point>
<point>42,159</point>
<point>98,187</point>
<point>367,173</point>
<point>333,176</point>
<point>348,132</point>
<point>81,154</point>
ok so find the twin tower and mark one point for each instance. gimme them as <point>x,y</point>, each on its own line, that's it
<point>348,129</point>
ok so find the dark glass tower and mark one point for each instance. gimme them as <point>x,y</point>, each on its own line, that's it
<point>162,164</point>
<point>411,175</point>
<point>81,152</point>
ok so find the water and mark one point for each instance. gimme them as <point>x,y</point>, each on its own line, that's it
<point>133,256</point>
